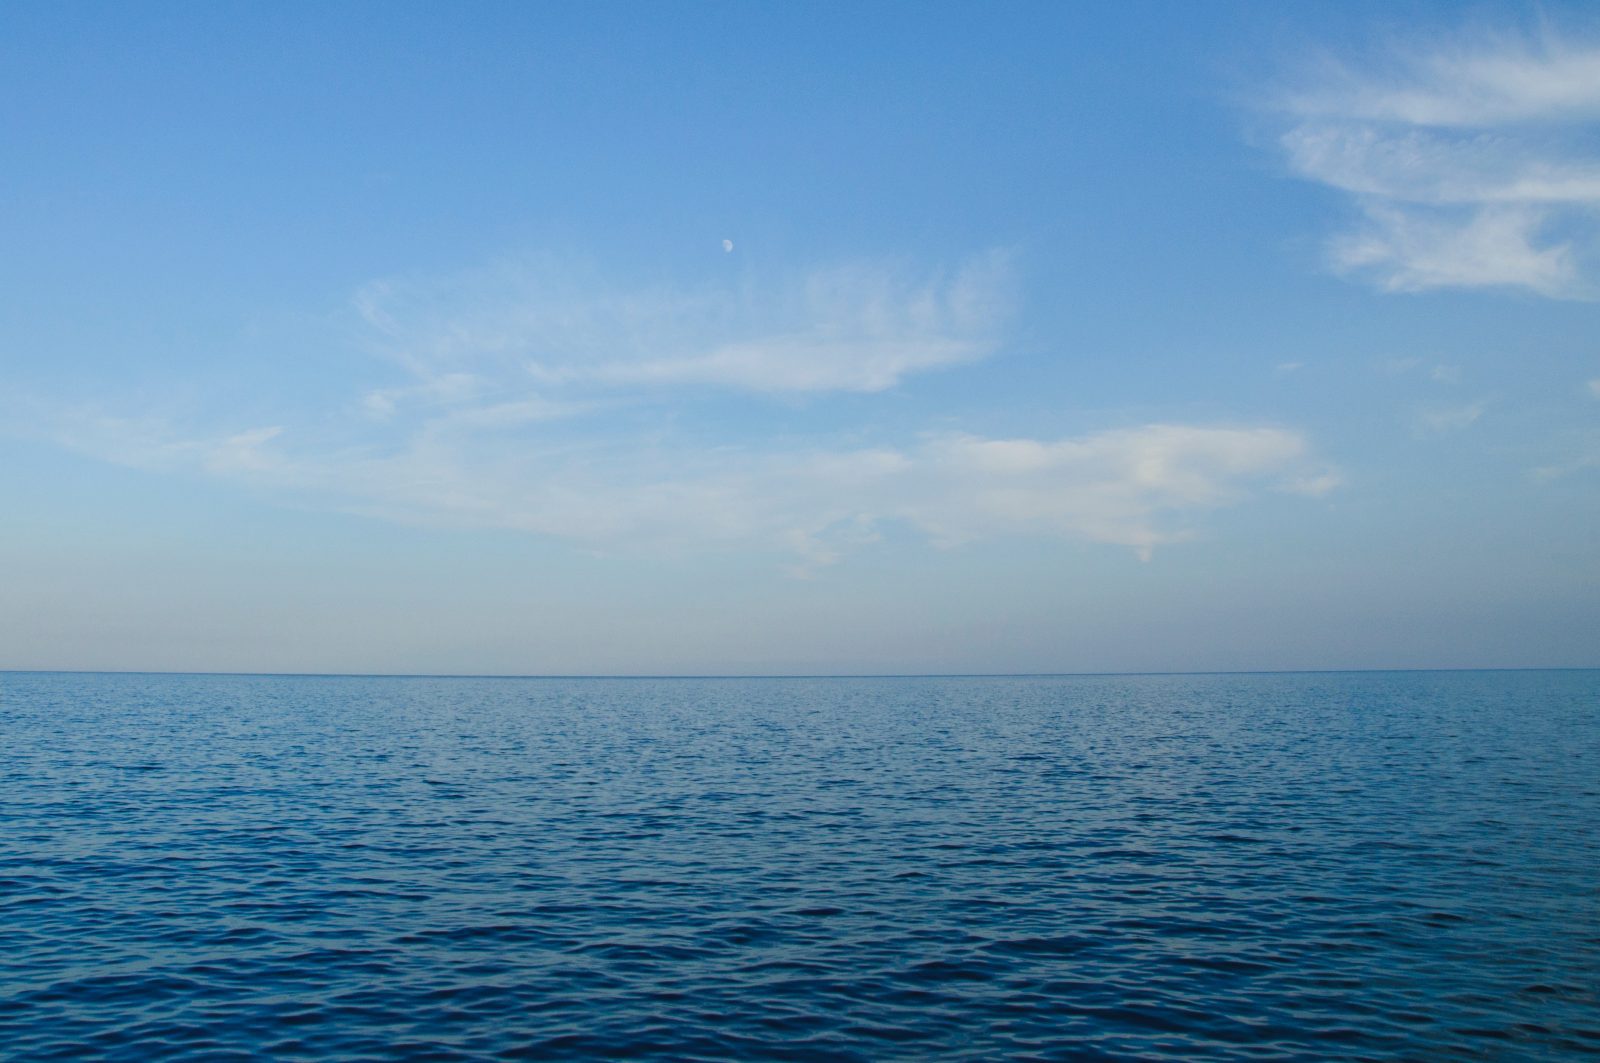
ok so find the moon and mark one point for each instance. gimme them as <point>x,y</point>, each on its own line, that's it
<point>727,245</point>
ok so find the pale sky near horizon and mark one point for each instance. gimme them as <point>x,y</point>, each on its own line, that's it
<point>721,338</point>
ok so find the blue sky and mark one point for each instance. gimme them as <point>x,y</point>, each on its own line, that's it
<point>799,338</point>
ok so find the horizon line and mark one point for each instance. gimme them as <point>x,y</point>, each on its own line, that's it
<point>786,675</point>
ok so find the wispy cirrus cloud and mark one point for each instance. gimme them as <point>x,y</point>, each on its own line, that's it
<point>559,327</point>
<point>1136,487</point>
<point>531,400</point>
<point>1473,163</point>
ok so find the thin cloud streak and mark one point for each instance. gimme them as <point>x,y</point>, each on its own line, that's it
<point>1137,487</point>
<point>1498,81</point>
<point>1442,420</point>
<point>552,326</point>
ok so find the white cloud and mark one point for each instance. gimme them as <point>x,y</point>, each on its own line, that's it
<point>1415,250</point>
<point>533,401</point>
<point>1471,166</point>
<point>1440,373</point>
<point>554,326</point>
<point>243,452</point>
<point>1594,387</point>
<point>1495,81</point>
<point>1547,473</point>
<point>1137,487</point>
<point>1440,420</point>
<point>1129,487</point>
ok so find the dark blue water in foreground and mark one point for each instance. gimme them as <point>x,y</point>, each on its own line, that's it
<point>1376,866</point>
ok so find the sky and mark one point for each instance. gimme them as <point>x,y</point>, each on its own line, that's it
<point>795,339</point>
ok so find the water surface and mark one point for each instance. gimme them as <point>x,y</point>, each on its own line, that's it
<point>1376,866</point>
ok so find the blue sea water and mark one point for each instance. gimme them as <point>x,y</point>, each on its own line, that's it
<point>1312,866</point>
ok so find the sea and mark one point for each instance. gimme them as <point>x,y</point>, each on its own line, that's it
<point>1372,866</point>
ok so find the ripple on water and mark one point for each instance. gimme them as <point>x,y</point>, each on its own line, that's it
<point>1379,866</point>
